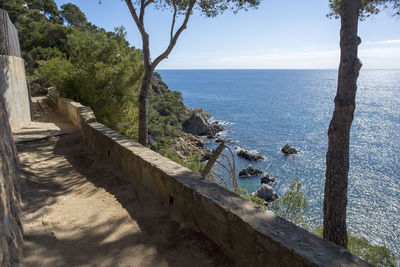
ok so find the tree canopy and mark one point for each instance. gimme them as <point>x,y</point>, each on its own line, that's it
<point>73,15</point>
<point>49,7</point>
<point>209,8</point>
<point>367,8</point>
<point>98,68</point>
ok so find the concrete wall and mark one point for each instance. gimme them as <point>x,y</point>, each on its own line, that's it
<point>9,44</point>
<point>10,221</point>
<point>12,75</point>
<point>247,234</point>
<point>15,91</point>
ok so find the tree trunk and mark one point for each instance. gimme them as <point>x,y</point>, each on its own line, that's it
<point>337,157</point>
<point>144,92</point>
<point>144,107</point>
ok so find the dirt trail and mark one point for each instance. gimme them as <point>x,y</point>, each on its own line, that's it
<point>81,211</point>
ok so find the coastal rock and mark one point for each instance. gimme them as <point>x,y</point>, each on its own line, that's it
<point>249,155</point>
<point>215,128</point>
<point>287,150</point>
<point>249,171</point>
<point>266,179</point>
<point>198,124</point>
<point>266,192</point>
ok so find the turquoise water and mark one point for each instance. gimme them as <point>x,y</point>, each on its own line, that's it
<point>268,108</point>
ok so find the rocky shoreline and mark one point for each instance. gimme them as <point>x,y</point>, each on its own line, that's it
<point>198,129</point>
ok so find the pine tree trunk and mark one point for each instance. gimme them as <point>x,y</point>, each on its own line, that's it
<point>337,157</point>
<point>144,92</point>
<point>144,107</point>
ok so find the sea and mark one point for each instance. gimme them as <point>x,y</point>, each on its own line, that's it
<point>265,109</point>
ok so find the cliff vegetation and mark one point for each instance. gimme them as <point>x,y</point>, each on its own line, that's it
<point>100,69</point>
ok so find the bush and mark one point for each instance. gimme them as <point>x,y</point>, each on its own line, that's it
<point>293,205</point>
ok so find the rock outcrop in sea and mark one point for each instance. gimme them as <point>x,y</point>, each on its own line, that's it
<point>249,155</point>
<point>266,179</point>
<point>249,171</point>
<point>288,150</point>
<point>197,124</point>
<point>266,192</point>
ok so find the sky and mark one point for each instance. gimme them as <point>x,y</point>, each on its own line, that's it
<point>287,34</point>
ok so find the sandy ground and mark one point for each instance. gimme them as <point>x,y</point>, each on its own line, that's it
<point>81,211</point>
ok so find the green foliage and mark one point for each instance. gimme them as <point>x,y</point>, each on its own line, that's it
<point>368,7</point>
<point>102,72</point>
<point>73,15</point>
<point>14,8</point>
<point>255,199</point>
<point>361,247</point>
<point>90,65</point>
<point>377,255</point>
<point>193,163</point>
<point>166,114</point>
<point>40,38</point>
<point>43,41</point>
<point>48,7</point>
<point>293,205</point>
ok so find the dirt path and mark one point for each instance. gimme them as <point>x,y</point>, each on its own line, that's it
<point>81,211</point>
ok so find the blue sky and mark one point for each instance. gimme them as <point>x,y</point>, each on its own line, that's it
<point>289,34</point>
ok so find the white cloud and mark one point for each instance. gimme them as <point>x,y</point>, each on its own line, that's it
<point>373,57</point>
<point>385,42</point>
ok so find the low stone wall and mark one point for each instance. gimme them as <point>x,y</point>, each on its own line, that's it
<point>247,234</point>
<point>10,221</point>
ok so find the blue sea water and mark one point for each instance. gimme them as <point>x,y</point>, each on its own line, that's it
<point>269,108</point>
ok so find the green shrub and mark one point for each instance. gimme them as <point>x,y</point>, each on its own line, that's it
<point>255,199</point>
<point>293,205</point>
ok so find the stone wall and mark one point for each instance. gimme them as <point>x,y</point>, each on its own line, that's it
<point>12,75</point>
<point>247,234</point>
<point>10,221</point>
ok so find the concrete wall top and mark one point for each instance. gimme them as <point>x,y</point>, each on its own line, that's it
<point>9,44</point>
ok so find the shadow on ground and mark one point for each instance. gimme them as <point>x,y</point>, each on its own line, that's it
<point>81,211</point>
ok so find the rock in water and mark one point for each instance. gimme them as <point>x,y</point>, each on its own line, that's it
<point>249,171</point>
<point>266,192</point>
<point>198,124</point>
<point>215,128</point>
<point>249,155</point>
<point>287,150</point>
<point>266,179</point>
